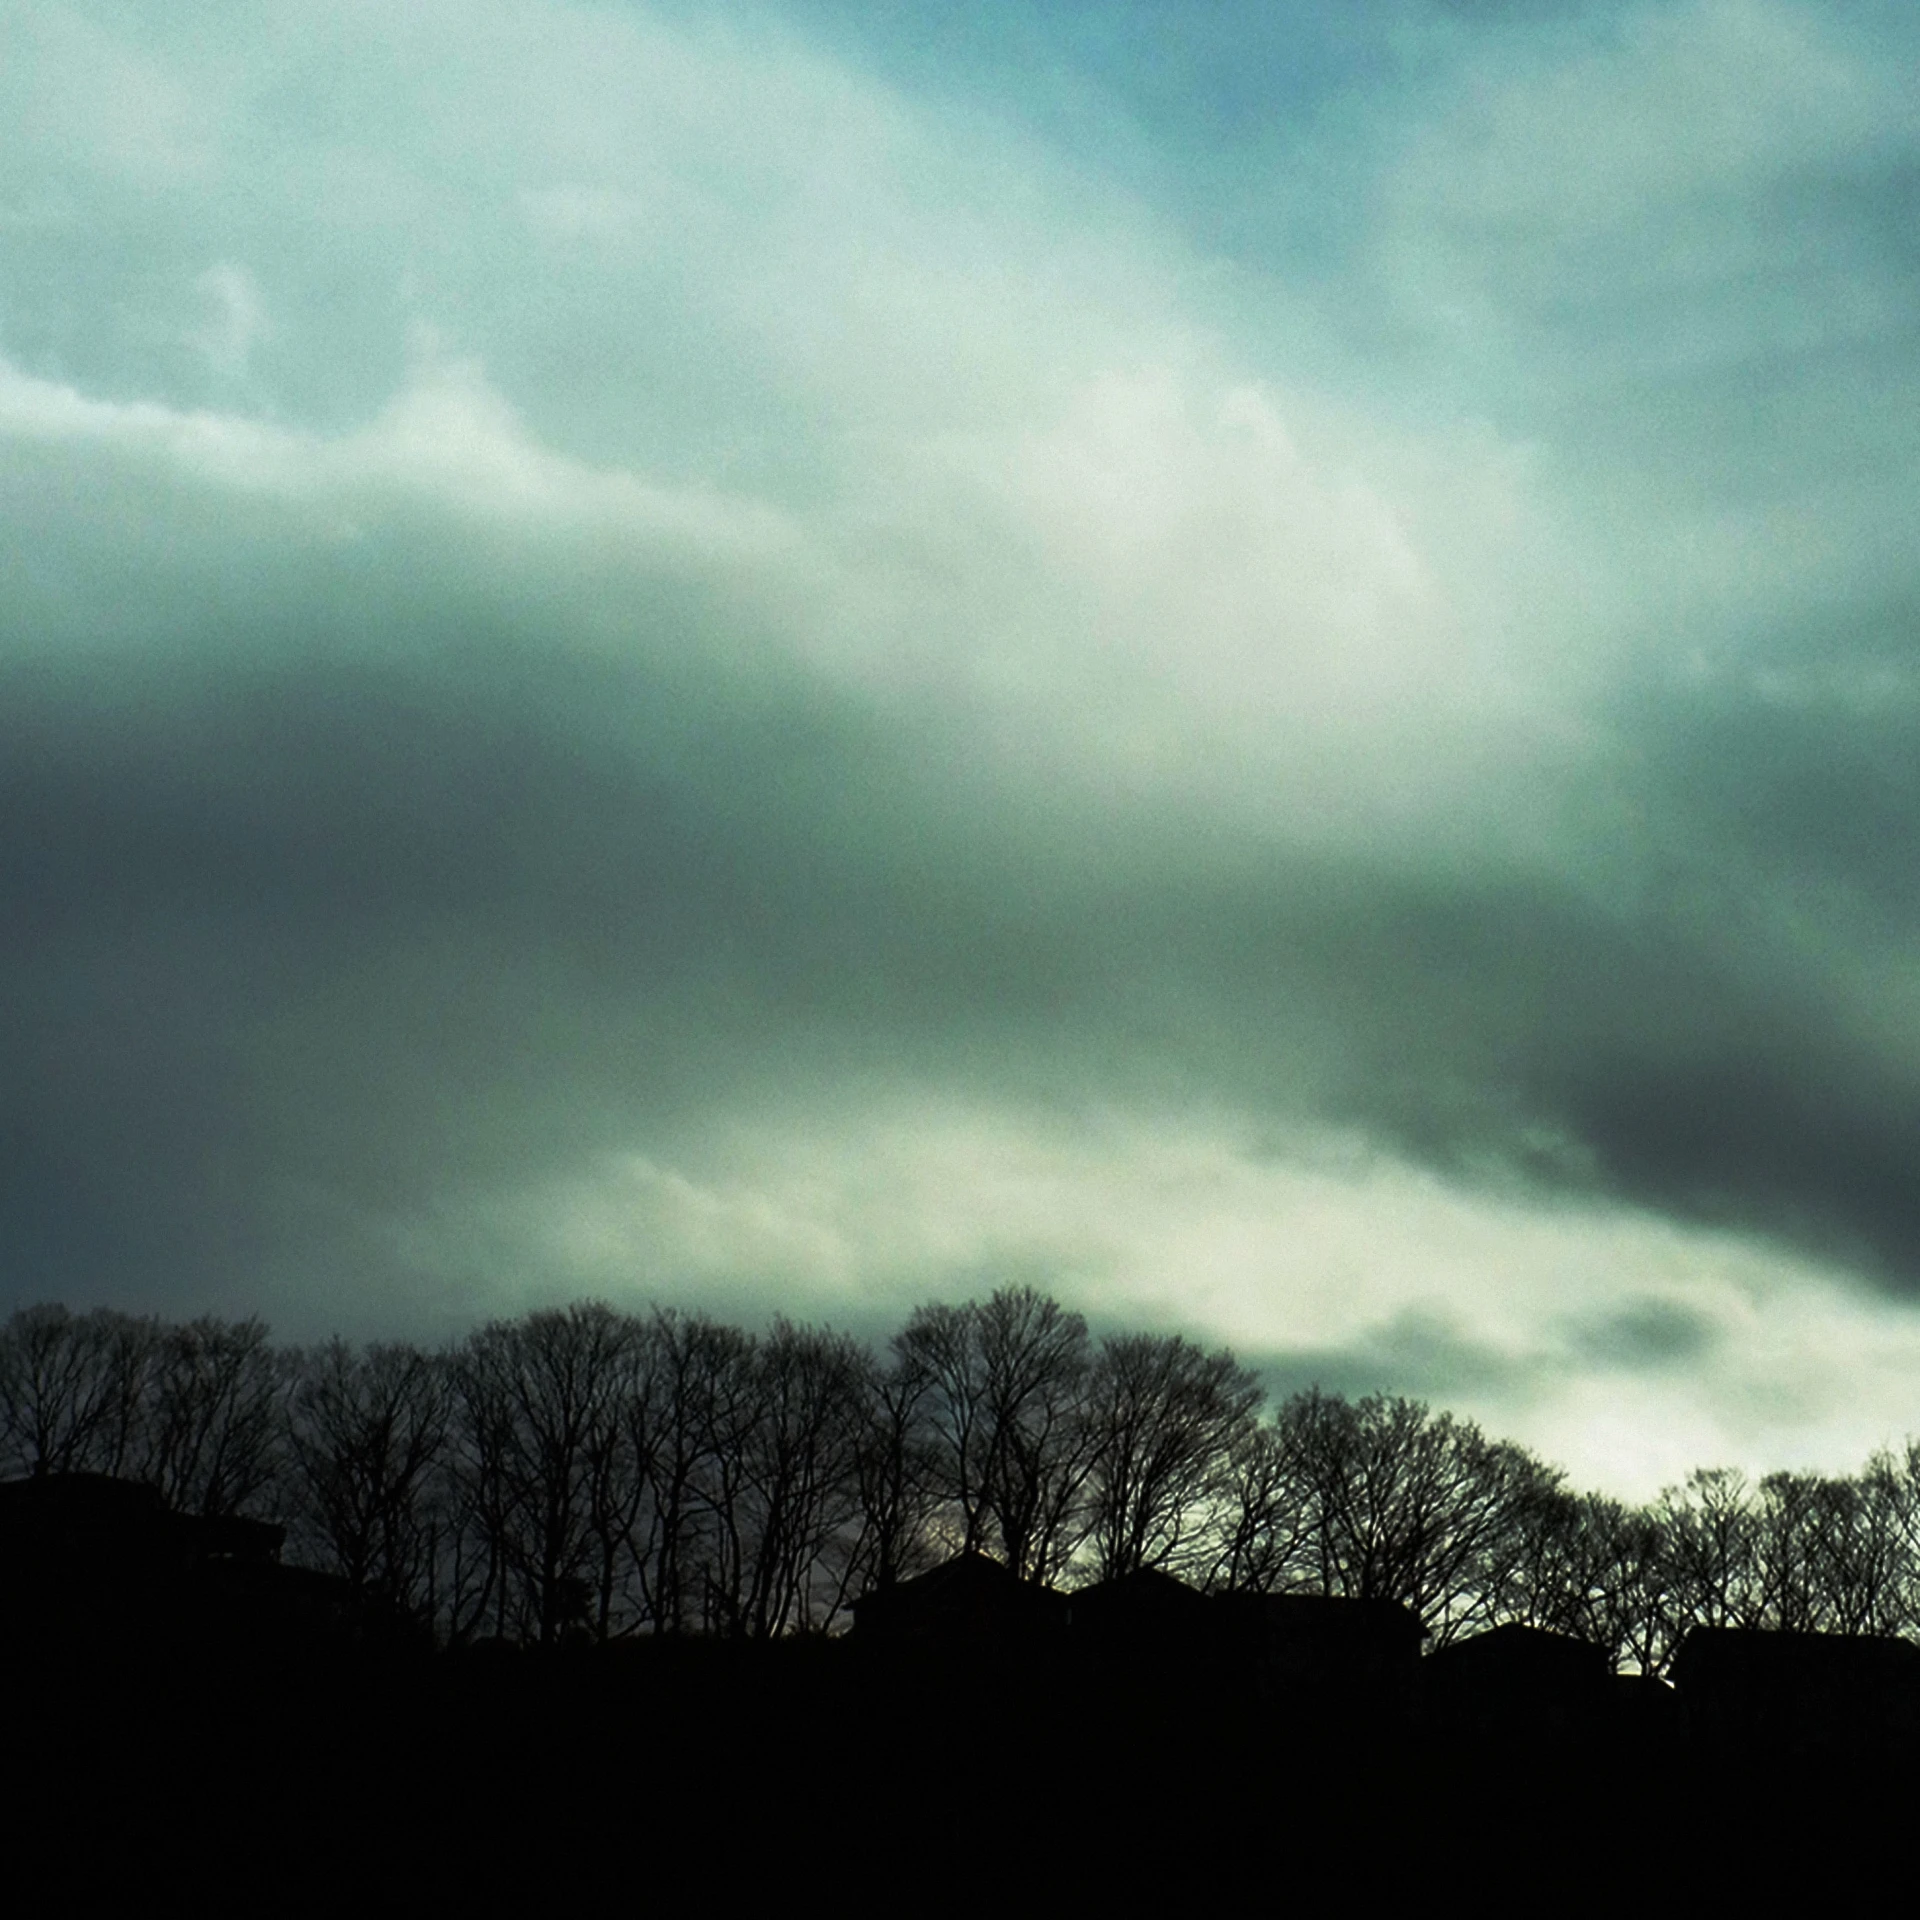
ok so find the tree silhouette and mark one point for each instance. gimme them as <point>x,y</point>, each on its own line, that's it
<point>215,1422</point>
<point>1712,1545</point>
<point>1164,1421</point>
<point>543,1398</point>
<point>696,1370</point>
<point>584,1472</point>
<point>367,1441</point>
<point>1408,1505</point>
<point>896,1470</point>
<point>74,1390</point>
<point>799,1494</point>
<point>1004,1382</point>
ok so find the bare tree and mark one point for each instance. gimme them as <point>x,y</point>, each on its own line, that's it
<point>585,1471</point>
<point>617,1462</point>
<point>1267,1527</point>
<point>728,1412</point>
<point>1830,1551</point>
<point>73,1390</point>
<point>694,1372</point>
<point>1787,1525</point>
<point>1004,1408</point>
<point>367,1437</point>
<point>1039,1449</point>
<point>1626,1605</point>
<point>1588,1566</point>
<point>1868,1556</point>
<point>801,1484</point>
<point>896,1472</point>
<point>1408,1505</point>
<point>215,1415</point>
<point>483,1485</point>
<point>540,1397</point>
<point>1165,1420</point>
<point>940,1349</point>
<point>1712,1546</point>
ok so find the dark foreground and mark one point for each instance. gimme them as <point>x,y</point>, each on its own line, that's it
<point>727,1773</point>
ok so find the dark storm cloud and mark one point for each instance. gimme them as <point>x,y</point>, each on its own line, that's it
<point>586,600</point>
<point>370,929</point>
<point>1776,1082</point>
<point>293,920</point>
<point>1424,1355</point>
<point>1521,1037</point>
<point>1418,1355</point>
<point>1648,1335</point>
<point>307,915</point>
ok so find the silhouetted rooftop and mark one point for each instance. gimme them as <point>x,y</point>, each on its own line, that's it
<point>971,1596</point>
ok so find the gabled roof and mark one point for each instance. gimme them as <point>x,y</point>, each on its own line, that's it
<point>1144,1601</point>
<point>1328,1619</point>
<point>97,1518</point>
<point>971,1596</point>
<point>1516,1650</point>
<point>1744,1656</point>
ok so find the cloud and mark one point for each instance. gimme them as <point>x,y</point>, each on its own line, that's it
<point>1322,1259</point>
<point>447,441</point>
<point>649,651</point>
<point>237,321</point>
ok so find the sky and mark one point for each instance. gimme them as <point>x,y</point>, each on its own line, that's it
<point>1256,663</point>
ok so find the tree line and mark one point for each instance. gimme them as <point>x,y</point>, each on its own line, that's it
<point>585,1473</point>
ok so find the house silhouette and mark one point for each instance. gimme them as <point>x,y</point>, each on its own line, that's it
<point>90,1560</point>
<point>970,1600</point>
<point>1753,1689</point>
<point>1517,1680</point>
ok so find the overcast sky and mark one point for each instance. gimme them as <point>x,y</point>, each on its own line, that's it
<point>1257,662</point>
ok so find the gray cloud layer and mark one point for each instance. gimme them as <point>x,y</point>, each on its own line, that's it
<point>615,595</point>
